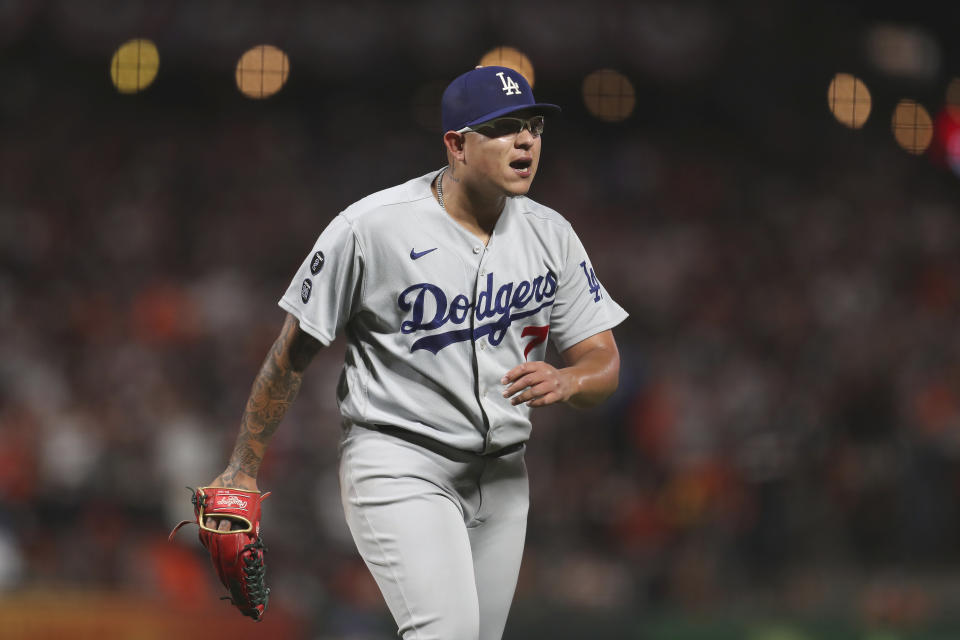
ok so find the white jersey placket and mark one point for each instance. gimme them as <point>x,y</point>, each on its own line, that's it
<point>482,358</point>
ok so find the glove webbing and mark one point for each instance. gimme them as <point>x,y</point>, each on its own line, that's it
<point>257,589</point>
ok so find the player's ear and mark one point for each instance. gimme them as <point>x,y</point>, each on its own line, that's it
<point>453,141</point>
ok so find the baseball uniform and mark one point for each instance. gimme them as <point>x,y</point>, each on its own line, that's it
<point>432,476</point>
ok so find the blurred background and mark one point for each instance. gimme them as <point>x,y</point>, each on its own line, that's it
<point>771,188</point>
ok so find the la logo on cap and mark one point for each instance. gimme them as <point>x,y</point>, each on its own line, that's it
<point>476,96</point>
<point>510,87</point>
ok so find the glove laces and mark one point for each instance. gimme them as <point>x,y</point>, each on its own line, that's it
<point>257,591</point>
<point>256,573</point>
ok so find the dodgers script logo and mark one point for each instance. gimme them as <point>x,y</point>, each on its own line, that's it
<point>429,310</point>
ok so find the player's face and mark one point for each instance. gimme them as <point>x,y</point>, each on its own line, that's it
<point>501,157</point>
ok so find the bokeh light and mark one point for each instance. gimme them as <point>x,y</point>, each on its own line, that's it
<point>609,95</point>
<point>903,50</point>
<point>946,129</point>
<point>262,71</point>
<point>509,57</point>
<point>134,65</point>
<point>953,94</point>
<point>849,100</point>
<point>945,148</point>
<point>953,150</point>
<point>912,126</point>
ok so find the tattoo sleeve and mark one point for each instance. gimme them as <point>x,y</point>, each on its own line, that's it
<point>274,390</point>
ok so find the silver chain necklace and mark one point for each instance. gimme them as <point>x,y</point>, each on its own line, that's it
<point>440,188</point>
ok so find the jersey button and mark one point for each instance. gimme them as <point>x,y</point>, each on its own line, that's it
<point>476,249</point>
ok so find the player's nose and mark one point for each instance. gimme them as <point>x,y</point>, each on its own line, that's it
<point>524,139</point>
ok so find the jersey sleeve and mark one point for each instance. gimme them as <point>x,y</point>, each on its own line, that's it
<point>583,308</point>
<point>325,292</point>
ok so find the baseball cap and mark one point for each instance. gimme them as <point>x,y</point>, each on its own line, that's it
<point>485,93</point>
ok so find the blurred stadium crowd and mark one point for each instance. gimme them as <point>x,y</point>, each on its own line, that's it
<point>786,436</point>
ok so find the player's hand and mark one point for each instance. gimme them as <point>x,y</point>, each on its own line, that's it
<point>538,384</point>
<point>232,481</point>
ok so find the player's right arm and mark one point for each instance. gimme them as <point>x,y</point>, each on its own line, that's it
<point>274,390</point>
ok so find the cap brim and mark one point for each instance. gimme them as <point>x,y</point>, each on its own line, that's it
<point>541,107</point>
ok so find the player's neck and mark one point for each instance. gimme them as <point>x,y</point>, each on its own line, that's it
<point>477,218</point>
<point>474,211</point>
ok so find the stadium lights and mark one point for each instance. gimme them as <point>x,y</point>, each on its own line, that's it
<point>134,65</point>
<point>609,95</point>
<point>912,126</point>
<point>509,57</point>
<point>849,100</point>
<point>262,71</point>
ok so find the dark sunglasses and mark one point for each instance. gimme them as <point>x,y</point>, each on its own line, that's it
<point>507,126</point>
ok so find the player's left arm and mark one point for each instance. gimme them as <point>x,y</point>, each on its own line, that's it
<point>590,376</point>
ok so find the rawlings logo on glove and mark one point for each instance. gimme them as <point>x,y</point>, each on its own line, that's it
<point>231,501</point>
<point>237,553</point>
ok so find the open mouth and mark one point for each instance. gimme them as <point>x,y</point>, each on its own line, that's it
<point>522,166</point>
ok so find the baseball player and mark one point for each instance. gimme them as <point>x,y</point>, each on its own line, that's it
<point>448,288</point>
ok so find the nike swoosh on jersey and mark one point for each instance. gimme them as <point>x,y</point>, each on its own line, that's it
<point>419,254</point>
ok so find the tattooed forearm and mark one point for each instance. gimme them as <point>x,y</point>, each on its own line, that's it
<point>274,390</point>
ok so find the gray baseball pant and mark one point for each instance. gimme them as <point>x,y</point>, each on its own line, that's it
<point>441,530</point>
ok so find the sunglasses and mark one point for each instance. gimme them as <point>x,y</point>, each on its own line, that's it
<point>507,126</point>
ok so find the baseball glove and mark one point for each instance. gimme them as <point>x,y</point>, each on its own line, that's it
<point>238,553</point>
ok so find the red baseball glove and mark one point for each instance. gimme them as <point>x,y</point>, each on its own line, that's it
<point>238,553</point>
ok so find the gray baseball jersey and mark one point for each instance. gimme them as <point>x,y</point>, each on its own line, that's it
<point>434,318</point>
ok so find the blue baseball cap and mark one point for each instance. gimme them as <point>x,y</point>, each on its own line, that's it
<point>485,93</point>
